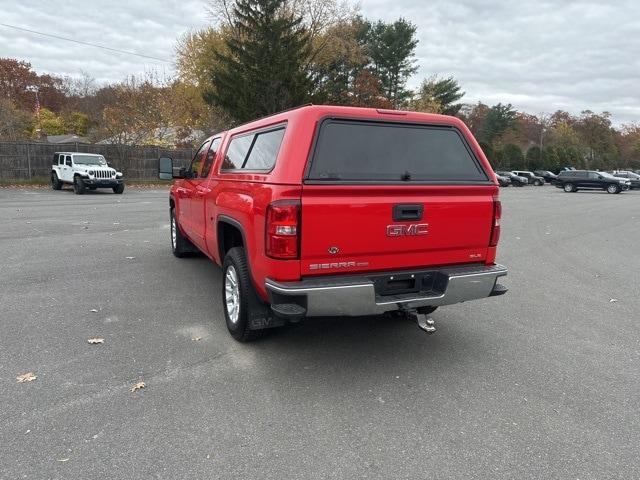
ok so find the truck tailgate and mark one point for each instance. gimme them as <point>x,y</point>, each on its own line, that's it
<point>368,228</point>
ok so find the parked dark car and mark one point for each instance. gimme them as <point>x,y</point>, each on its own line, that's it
<point>533,179</point>
<point>548,176</point>
<point>634,178</point>
<point>503,181</point>
<point>574,180</point>
<point>516,181</point>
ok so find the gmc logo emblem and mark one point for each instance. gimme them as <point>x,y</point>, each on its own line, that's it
<point>407,230</point>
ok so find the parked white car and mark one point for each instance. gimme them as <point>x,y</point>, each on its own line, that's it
<point>84,170</point>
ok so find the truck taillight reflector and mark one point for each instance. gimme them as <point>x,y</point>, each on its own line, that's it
<point>495,228</point>
<point>282,229</point>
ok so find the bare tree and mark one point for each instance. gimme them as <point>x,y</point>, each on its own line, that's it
<point>81,87</point>
<point>318,15</point>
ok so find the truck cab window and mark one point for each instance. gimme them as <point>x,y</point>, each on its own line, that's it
<point>198,159</point>
<point>211,156</point>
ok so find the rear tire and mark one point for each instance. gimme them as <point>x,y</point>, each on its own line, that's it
<point>613,188</point>
<point>180,245</point>
<point>119,188</point>
<point>78,185</point>
<point>237,292</point>
<point>56,184</point>
<point>538,183</point>
<point>569,187</point>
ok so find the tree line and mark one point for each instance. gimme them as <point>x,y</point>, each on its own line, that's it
<point>262,56</point>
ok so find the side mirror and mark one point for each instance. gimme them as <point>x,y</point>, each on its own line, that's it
<point>165,168</point>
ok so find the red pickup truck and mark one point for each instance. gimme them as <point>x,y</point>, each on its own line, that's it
<point>340,211</point>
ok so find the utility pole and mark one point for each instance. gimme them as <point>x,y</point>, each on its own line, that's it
<point>544,122</point>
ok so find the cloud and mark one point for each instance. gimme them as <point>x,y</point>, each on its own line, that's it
<point>149,28</point>
<point>539,55</point>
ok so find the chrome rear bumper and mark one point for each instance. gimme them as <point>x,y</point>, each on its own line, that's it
<point>361,294</point>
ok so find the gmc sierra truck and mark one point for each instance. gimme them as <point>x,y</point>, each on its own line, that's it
<point>340,211</point>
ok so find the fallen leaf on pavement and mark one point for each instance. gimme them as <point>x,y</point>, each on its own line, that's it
<point>613,300</point>
<point>137,386</point>
<point>95,340</point>
<point>26,377</point>
<point>195,339</point>
<point>63,459</point>
<point>129,258</point>
<point>93,310</point>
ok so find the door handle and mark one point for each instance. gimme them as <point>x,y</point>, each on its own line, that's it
<point>202,191</point>
<point>408,212</point>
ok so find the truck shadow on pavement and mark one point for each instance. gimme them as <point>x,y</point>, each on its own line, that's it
<point>337,348</point>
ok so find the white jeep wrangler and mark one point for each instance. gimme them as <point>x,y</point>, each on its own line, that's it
<point>84,170</point>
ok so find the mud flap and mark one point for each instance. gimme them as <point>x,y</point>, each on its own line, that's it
<point>261,316</point>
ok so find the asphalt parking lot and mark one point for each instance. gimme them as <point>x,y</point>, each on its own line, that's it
<point>541,383</point>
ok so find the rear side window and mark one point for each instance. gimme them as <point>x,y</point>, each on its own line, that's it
<point>368,151</point>
<point>256,151</point>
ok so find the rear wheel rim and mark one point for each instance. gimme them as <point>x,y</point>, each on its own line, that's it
<point>174,233</point>
<point>568,187</point>
<point>612,189</point>
<point>232,294</point>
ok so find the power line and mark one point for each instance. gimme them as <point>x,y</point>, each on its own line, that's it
<point>86,43</point>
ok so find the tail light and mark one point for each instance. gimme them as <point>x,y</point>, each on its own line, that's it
<point>495,227</point>
<point>283,229</point>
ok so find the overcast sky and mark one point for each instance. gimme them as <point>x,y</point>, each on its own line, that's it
<point>538,55</point>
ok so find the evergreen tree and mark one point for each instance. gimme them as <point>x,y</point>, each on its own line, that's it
<point>391,50</point>
<point>513,157</point>
<point>488,152</point>
<point>265,69</point>
<point>499,119</point>
<point>533,158</point>
<point>551,158</point>
<point>440,92</point>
